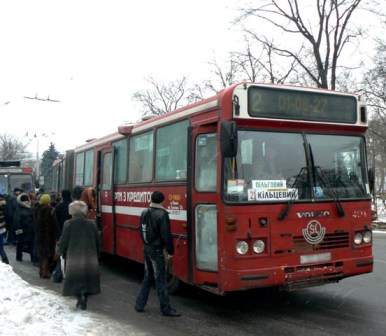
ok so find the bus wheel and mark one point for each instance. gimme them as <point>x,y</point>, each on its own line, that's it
<point>172,282</point>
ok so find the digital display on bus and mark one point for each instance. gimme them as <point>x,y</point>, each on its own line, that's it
<point>301,105</point>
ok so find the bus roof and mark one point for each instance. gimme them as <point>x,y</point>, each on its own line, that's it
<point>201,106</point>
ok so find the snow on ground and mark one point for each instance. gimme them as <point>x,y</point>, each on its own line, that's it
<point>27,310</point>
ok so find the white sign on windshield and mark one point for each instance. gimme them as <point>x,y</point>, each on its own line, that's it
<point>269,184</point>
<point>264,194</point>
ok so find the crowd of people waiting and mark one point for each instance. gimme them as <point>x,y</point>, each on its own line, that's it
<point>48,227</point>
<point>52,229</point>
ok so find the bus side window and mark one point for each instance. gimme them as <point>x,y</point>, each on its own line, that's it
<point>120,161</point>
<point>141,158</point>
<point>171,148</point>
<point>206,157</point>
<point>106,171</point>
<point>79,169</point>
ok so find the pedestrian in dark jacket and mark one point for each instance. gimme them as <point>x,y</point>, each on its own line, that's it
<point>47,234</point>
<point>61,210</point>
<point>79,246</point>
<point>3,230</point>
<point>156,235</point>
<point>10,214</point>
<point>23,226</point>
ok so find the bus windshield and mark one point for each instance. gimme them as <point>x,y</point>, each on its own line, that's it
<point>338,166</point>
<point>273,166</point>
<point>21,181</point>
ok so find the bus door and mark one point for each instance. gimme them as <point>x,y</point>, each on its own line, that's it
<point>203,256</point>
<point>106,211</point>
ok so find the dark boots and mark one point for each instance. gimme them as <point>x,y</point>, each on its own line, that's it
<point>82,301</point>
<point>5,260</point>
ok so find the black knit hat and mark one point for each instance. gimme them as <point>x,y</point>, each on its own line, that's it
<point>24,198</point>
<point>77,192</point>
<point>157,197</point>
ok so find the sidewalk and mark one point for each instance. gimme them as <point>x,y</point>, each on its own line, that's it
<point>110,313</point>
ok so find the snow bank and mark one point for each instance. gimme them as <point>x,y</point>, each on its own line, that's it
<point>28,310</point>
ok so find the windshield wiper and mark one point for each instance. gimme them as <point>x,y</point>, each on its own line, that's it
<point>319,172</point>
<point>330,190</point>
<point>284,212</point>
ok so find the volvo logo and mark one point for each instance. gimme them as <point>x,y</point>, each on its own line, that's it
<point>314,232</point>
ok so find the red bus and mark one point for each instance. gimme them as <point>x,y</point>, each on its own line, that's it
<point>12,176</point>
<point>62,172</point>
<point>266,186</point>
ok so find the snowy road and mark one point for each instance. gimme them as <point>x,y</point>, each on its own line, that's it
<point>355,306</point>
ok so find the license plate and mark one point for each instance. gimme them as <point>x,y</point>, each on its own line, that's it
<point>315,258</point>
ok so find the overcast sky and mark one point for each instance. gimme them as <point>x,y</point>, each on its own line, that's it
<point>92,56</point>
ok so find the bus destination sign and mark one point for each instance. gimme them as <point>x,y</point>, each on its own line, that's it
<point>301,105</point>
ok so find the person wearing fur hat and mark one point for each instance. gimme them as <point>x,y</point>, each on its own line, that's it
<point>3,229</point>
<point>79,246</point>
<point>89,197</point>
<point>23,227</point>
<point>47,234</point>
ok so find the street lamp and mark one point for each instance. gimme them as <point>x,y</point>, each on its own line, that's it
<point>37,136</point>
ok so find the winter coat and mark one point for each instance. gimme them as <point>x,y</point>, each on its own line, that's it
<point>23,223</point>
<point>2,217</point>
<point>61,213</point>
<point>79,246</point>
<point>88,197</point>
<point>47,231</point>
<point>10,209</point>
<point>160,227</point>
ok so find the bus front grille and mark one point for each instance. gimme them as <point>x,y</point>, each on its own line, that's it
<point>331,241</point>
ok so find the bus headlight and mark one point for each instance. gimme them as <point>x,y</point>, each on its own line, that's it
<point>358,238</point>
<point>258,246</point>
<point>367,237</point>
<point>242,247</point>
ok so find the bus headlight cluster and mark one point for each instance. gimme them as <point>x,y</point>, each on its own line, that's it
<point>258,246</point>
<point>242,247</point>
<point>367,237</point>
<point>358,238</point>
<point>364,237</point>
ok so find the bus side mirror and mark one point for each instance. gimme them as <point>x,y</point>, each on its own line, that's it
<point>228,138</point>
<point>371,177</point>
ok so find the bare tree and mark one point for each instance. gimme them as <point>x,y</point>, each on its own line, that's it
<point>163,97</point>
<point>223,74</point>
<point>376,139</point>
<point>375,91</point>
<point>258,61</point>
<point>11,148</point>
<point>324,41</point>
<point>375,82</point>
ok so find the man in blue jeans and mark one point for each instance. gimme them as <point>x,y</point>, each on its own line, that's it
<point>156,236</point>
<point>3,230</point>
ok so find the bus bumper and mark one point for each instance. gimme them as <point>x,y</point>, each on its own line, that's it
<point>295,277</point>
